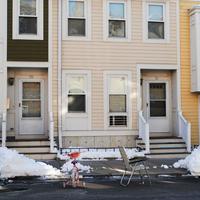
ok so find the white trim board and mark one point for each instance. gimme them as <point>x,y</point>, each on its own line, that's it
<point>129,100</point>
<point>157,66</point>
<point>40,22</point>
<point>128,17</point>
<point>87,17</point>
<point>28,64</point>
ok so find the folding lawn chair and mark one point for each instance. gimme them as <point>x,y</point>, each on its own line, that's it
<point>132,165</point>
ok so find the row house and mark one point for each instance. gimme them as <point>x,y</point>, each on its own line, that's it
<point>92,74</point>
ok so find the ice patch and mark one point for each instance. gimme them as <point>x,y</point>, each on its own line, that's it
<point>13,164</point>
<point>191,162</point>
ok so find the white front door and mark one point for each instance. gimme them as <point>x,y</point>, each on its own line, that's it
<point>157,105</point>
<point>31,107</point>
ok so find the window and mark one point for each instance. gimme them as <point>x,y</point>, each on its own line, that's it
<point>28,19</point>
<point>157,99</point>
<point>76,19</point>
<point>76,94</point>
<point>156,23</point>
<point>118,100</point>
<point>117,20</point>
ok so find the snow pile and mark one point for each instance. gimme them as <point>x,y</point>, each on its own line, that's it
<point>164,166</point>
<point>13,164</point>
<point>102,154</point>
<point>191,162</point>
<point>68,166</point>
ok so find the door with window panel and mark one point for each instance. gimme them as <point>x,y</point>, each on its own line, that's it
<point>31,107</point>
<point>158,106</point>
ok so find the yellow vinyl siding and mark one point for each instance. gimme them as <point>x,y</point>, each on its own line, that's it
<point>189,100</point>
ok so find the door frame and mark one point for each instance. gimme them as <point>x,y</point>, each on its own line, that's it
<point>18,100</point>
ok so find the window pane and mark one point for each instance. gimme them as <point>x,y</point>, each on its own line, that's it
<point>76,103</point>
<point>117,29</point>
<point>76,27</point>
<point>117,103</point>
<point>157,108</point>
<point>27,7</point>
<point>118,120</point>
<point>76,9</point>
<point>117,85</point>
<point>27,25</point>
<point>117,10</point>
<point>156,30</point>
<point>157,91</point>
<point>31,108</point>
<point>156,12</point>
<point>77,84</point>
<point>31,90</point>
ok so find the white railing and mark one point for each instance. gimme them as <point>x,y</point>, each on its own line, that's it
<point>4,130</point>
<point>144,131</point>
<point>185,130</point>
<point>51,132</point>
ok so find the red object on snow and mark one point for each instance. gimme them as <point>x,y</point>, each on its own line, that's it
<point>74,155</point>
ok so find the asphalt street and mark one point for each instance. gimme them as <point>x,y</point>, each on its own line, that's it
<point>162,188</point>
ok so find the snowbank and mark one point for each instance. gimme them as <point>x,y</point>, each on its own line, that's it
<point>13,164</point>
<point>101,154</point>
<point>191,162</point>
<point>68,166</point>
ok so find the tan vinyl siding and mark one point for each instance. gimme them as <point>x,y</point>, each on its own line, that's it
<point>98,55</point>
<point>189,100</point>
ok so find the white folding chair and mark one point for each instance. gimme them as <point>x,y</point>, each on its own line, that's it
<point>132,165</point>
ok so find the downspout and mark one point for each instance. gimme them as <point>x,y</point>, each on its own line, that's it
<point>178,57</point>
<point>179,67</point>
<point>59,72</point>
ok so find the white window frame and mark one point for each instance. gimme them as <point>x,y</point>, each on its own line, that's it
<point>127,19</point>
<point>165,20</point>
<point>87,17</point>
<point>40,22</point>
<point>71,73</point>
<point>128,113</point>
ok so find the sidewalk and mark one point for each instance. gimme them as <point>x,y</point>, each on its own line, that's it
<point>115,167</point>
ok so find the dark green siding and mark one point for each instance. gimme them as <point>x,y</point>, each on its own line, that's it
<point>28,50</point>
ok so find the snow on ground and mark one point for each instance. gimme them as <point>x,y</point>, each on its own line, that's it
<point>101,154</point>
<point>164,166</point>
<point>68,166</point>
<point>191,162</point>
<point>13,164</point>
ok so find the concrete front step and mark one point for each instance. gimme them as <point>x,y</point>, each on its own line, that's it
<point>42,156</point>
<point>165,156</point>
<point>164,145</point>
<point>163,141</point>
<point>28,143</point>
<point>45,149</point>
<point>168,150</point>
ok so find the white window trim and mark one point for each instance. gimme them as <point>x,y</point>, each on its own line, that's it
<point>40,22</point>
<point>127,4</point>
<point>108,74</point>
<point>87,13</point>
<point>65,114</point>
<point>166,22</point>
